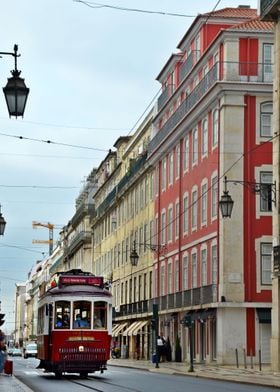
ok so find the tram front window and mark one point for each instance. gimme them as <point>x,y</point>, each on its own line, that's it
<point>62,315</point>
<point>81,314</point>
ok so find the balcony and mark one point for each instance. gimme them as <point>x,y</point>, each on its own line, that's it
<point>81,238</point>
<point>134,169</point>
<point>230,72</point>
<point>187,65</point>
<point>193,297</point>
<point>163,98</point>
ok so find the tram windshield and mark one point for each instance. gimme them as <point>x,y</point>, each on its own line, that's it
<point>81,314</point>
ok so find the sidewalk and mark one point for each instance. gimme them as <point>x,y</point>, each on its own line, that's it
<point>12,384</point>
<point>265,377</point>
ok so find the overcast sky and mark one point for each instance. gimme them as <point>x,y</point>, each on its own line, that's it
<point>91,74</point>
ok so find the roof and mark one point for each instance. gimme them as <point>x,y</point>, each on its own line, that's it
<point>254,24</point>
<point>239,12</point>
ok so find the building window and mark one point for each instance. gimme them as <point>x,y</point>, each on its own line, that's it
<point>214,206</point>
<point>268,60</point>
<point>186,214</point>
<point>194,146</point>
<point>214,264</point>
<point>203,267</point>
<point>177,218</point>
<point>170,278</point>
<point>194,209</point>
<point>215,127</point>
<point>186,153</point>
<point>177,164</point>
<point>204,204</point>
<point>205,137</point>
<point>266,268</point>
<point>170,224</point>
<point>162,280</point>
<point>170,169</point>
<point>266,191</point>
<point>194,270</point>
<point>163,174</point>
<point>157,180</point>
<point>152,187</point>
<point>151,231</point>
<point>185,272</point>
<point>266,119</point>
<point>176,276</point>
<point>163,227</point>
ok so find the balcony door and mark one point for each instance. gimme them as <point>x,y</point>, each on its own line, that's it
<point>268,62</point>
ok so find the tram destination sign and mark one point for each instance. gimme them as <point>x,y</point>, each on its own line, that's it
<point>90,280</point>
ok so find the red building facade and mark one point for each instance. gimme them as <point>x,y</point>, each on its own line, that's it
<point>213,120</point>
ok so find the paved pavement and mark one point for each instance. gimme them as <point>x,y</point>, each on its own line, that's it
<point>12,384</point>
<point>264,377</point>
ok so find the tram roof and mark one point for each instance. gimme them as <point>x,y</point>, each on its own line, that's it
<point>77,290</point>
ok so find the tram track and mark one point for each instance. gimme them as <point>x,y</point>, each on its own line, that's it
<point>92,388</point>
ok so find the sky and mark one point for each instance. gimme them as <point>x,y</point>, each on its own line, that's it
<point>91,72</point>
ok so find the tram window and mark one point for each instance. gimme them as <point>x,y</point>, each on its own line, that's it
<point>81,314</point>
<point>100,315</point>
<point>41,315</point>
<point>62,314</point>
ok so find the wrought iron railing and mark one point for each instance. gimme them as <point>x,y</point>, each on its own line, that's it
<point>134,169</point>
<point>226,72</point>
<point>192,297</point>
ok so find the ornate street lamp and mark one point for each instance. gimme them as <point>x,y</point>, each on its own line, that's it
<point>2,223</point>
<point>15,91</point>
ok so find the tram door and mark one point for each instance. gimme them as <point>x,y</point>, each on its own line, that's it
<point>50,309</point>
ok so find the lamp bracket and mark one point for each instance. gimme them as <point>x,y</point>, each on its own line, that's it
<point>264,189</point>
<point>14,54</point>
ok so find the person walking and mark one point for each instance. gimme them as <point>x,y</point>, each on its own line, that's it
<point>2,351</point>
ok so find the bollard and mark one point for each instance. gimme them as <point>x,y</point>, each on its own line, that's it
<point>236,357</point>
<point>251,359</point>
<point>244,355</point>
<point>260,360</point>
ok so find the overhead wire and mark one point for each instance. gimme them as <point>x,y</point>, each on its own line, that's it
<point>95,5</point>
<point>53,142</point>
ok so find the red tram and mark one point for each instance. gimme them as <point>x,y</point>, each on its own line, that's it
<point>74,324</point>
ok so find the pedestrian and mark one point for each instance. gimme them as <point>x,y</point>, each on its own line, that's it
<point>2,351</point>
<point>161,344</point>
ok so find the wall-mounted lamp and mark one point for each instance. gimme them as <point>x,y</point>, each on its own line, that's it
<point>154,248</point>
<point>267,191</point>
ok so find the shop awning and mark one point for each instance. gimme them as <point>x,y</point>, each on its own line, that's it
<point>118,328</point>
<point>129,330</point>
<point>139,327</point>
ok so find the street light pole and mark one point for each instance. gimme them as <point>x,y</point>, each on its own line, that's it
<point>15,91</point>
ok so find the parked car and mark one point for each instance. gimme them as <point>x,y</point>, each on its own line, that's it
<point>16,352</point>
<point>30,351</point>
<point>10,351</point>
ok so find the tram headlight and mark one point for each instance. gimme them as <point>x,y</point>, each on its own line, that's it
<point>81,349</point>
